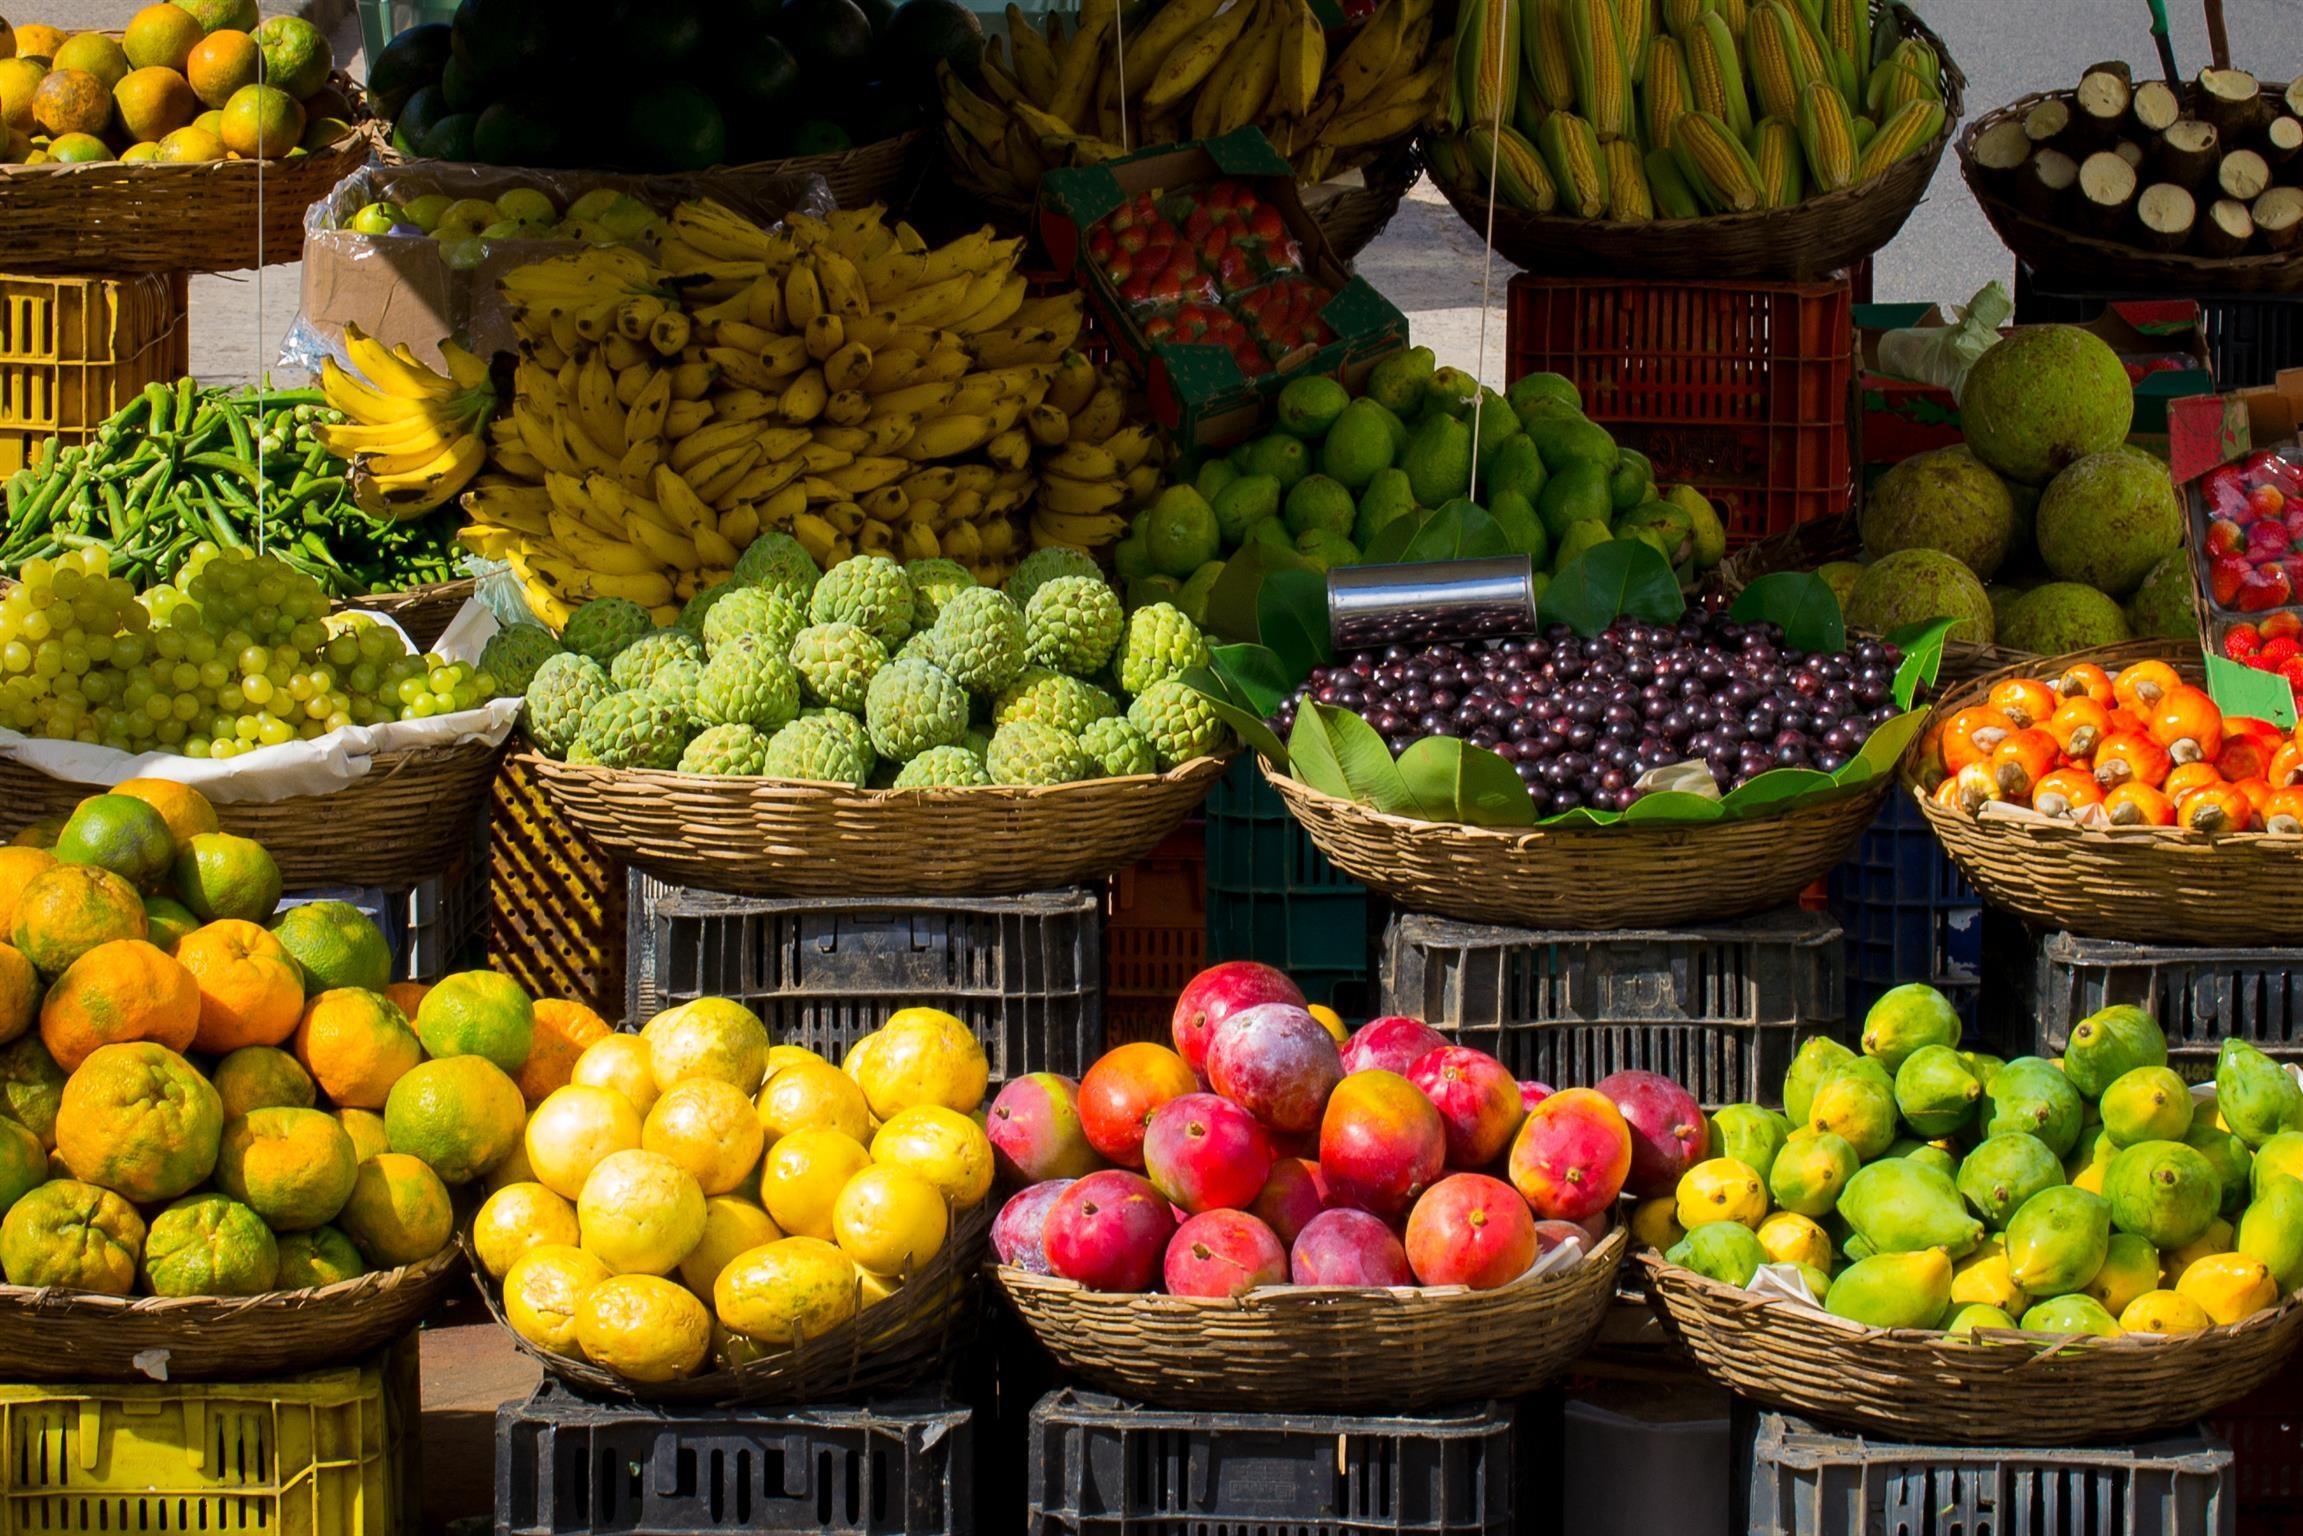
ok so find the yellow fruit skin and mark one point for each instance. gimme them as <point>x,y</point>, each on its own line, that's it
<point>1793,1239</point>
<point>1721,1189</point>
<point>1655,1223</point>
<point>2164,1312</point>
<point>542,1291</point>
<point>2228,1287</point>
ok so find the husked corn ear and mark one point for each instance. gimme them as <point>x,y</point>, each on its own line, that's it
<point>1847,28</point>
<point>1807,38</point>
<point>1571,149</point>
<point>1679,17</point>
<point>1827,137</point>
<point>1628,199</point>
<point>1778,69</point>
<point>1547,52</point>
<point>1736,13</point>
<point>1910,128</point>
<point>1667,188</point>
<point>1635,25</point>
<point>1910,74</point>
<point>1717,165</point>
<point>1595,54</point>
<point>1715,75</point>
<point>1666,93</point>
<point>1487,60</point>
<point>1521,178</point>
<point>1775,153</point>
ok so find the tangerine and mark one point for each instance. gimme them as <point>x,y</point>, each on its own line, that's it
<point>460,1114</point>
<point>19,80</point>
<point>398,1212</point>
<point>38,40</point>
<point>210,1245</point>
<point>71,101</point>
<point>190,146</point>
<point>573,1130</point>
<point>73,1235</point>
<point>516,1218</point>
<point>640,1212</point>
<point>620,1062</point>
<point>219,875</point>
<point>250,991</point>
<point>118,993</point>
<point>293,1167</point>
<point>139,1120</point>
<point>69,910</point>
<point>644,1328</point>
<point>356,1045</point>
<point>19,992</point>
<point>95,54</point>
<point>322,1256</point>
<point>478,1013</point>
<point>18,868</point>
<point>564,1031</point>
<point>261,122</point>
<point>160,36</point>
<point>732,1226</point>
<point>260,1077</point>
<point>335,945</point>
<point>222,63</point>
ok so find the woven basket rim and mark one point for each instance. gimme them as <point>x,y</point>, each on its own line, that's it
<point>361,140</point>
<point>738,786</point>
<point>26,1301</point>
<point>821,165</point>
<point>391,760</point>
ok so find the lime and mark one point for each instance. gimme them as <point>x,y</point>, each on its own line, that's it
<point>425,212</point>
<point>376,219</point>
<point>1245,501</point>
<point>1283,458</point>
<point>1180,531</point>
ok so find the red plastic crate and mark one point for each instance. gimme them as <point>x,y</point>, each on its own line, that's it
<point>1155,936</point>
<point>1743,390</point>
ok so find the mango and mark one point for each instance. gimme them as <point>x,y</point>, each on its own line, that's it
<point>1935,1092</point>
<point>1905,1020</point>
<point>1977,1315</point>
<point>2271,1229</point>
<point>1982,1277</point>
<point>2072,1314</point>
<point>1982,1066</point>
<point>1818,1280</point>
<point>2107,1044</point>
<point>2146,1104</point>
<point>1857,1107</point>
<point>1810,1171</point>
<point>2229,1287</point>
<point>2174,1262</point>
<point>2058,1240</point>
<point>1721,1189</point>
<point>1655,1224</point>
<point>2164,1312</point>
<point>2130,1267</point>
<point>2283,1153</point>
<point>1749,1133</point>
<point>1791,1238</point>
<point>1998,1176</point>
<point>2163,1191</point>
<point>1899,1206</point>
<point>1817,1058</point>
<point>1726,1251</point>
<point>2255,1095</point>
<point>1893,1290</point>
<point>2032,1096</point>
<point>2229,1157</point>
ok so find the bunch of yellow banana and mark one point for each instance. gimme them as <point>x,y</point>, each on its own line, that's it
<point>1097,463</point>
<point>412,438</point>
<point>1189,69</point>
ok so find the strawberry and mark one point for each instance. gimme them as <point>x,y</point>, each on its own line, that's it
<point>2266,541</point>
<point>2263,588</point>
<point>2241,641</point>
<point>2224,573</point>
<point>1159,328</point>
<point>2292,670</point>
<point>2278,624</point>
<point>2267,500</point>
<point>1167,287</point>
<point>1136,289</point>
<point>2278,650</point>
<point>2225,537</point>
<point>1267,226</point>
<point>2223,487</point>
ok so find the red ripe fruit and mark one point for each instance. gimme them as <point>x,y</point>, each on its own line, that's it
<point>1217,993</point>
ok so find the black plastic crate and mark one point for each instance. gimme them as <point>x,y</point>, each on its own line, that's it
<point>1025,973</point>
<point>1719,1008</point>
<point>1806,1481</point>
<point>1273,896</point>
<point>2265,1432</point>
<point>2250,337</point>
<point>566,1465</point>
<point>1101,1466</point>
<point>1907,913</point>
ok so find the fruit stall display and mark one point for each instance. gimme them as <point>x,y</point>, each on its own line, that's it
<point>2248,517</point>
<point>1896,1246</point>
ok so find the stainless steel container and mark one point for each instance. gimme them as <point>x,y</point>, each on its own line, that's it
<point>1440,600</point>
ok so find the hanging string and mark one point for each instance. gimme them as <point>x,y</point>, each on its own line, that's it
<point>262,374</point>
<point>1487,263</point>
<point>1120,63</point>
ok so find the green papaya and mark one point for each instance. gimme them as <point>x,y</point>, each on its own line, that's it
<point>1810,1171</point>
<point>1899,1206</point>
<point>1930,1155</point>
<point>2271,1229</point>
<point>1977,1315</point>
<point>2283,1153</point>
<point>1982,1066</point>
<point>2093,1147</point>
<point>2256,1095</point>
<point>1893,1290</point>
<point>1858,1107</point>
<point>2004,1172</point>
<point>2107,1044</point>
<point>2146,1104</point>
<point>2072,1314</point>
<point>2163,1191</point>
<point>2228,1156</point>
<point>2032,1096</point>
<point>2057,1240</point>
<point>1935,1092</point>
<point>1905,1019</point>
<point>2130,1267</point>
<point>1749,1133</point>
<point>1816,1059</point>
<point>1726,1251</point>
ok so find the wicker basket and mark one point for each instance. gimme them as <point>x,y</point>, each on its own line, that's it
<point>1621,876</point>
<point>59,1335</point>
<point>785,837</point>
<point>2146,885</point>
<point>1351,217</point>
<point>399,824</point>
<point>220,216</point>
<point>887,1346</point>
<point>869,173</point>
<point>424,612</point>
<point>2060,256</point>
<point>1927,1387</point>
<point>1322,1348</point>
<point>1811,239</point>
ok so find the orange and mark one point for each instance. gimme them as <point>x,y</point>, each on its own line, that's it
<point>478,1013</point>
<point>399,1211</point>
<point>95,54</point>
<point>207,1245</point>
<point>460,1114</point>
<point>787,1291</point>
<point>184,808</point>
<point>516,1218</point>
<point>620,1062</point>
<point>118,832</point>
<point>167,922</point>
<point>160,36</point>
<point>944,1147</point>
<point>732,1226</point>
<point>7,41</point>
<point>18,867</point>
<point>219,875</point>
<point>23,1163</point>
<point>564,1030</point>
<point>803,1175</point>
<point>116,993</point>
<point>222,63</point>
<point>259,1077</point>
<point>19,79</point>
<point>190,146</point>
<point>710,1037</point>
<point>366,1128</point>
<point>322,1256</point>
<point>336,945</point>
<point>261,122</point>
<point>250,991</point>
<point>640,1213</point>
<point>890,1220</point>
<point>31,1087</point>
<point>921,1056</point>
<point>38,40</point>
<point>709,1128</point>
<point>644,1328</point>
<point>542,1291</point>
<point>293,1167</point>
<point>71,909</point>
<point>41,833</point>
<point>812,1093</point>
<point>140,1121</point>
<point>19,992</point>
<point>73,1235</point>
<point>297,57</point>
<point>408,996</point>
<point>72,101</point>
<point>356,1045</point>
<point>573,1130</point>
<point>215,15</point>
<point>78,149</point>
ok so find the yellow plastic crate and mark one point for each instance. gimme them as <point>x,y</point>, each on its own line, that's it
<point>73,350</point>
<point>317,1455</point>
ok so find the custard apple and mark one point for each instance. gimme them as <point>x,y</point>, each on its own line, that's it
<point>698,608</point>
<point>755,611</point>
<point>979,639</point>
<point>850,727</point>
<point>748,682</point>
<point>604,626</point>
<point>634,730</point>
<point>680,683</point>
<point>728,750</point>
<point>580,756</point>
<point>1118,748</point>
<point>777,562</point>
<point>920,647</point>
<point>942,768</point>
<point>869,591</point>
<point>912,706</point>
<point>636,664</point>
<point>513,654</point>
<point>1071,624</point>
<point>1045,565</point>
<point>1158,643</point>
<point>1056,698</point>
<point>837,663</point>
<point>563,688</point>
<point>978,739</point>
<point>1030,752</point>
<point>811,747</point>
<point>1178,721</point>
<point>935,583</point>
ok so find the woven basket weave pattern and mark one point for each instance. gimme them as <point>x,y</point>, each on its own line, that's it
<point>424,612</point>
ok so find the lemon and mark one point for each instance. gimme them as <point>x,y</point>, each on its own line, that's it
<point>944,1147</point>
<point>542,1290</point>
<point>573,1129</point>
<point>640,1212</point>
<point>644,1328</point>
<point>519,1217</point>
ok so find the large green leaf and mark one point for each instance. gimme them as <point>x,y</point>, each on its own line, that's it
<point>1582,816</point>
<point>1291,619</point>
<point>1802,603</point>
<point>1883,748</point>
<point>1430,769</point>
<point>1247,722</point>
<point>1778,789</point>
<point>1675,805</point>
<point>1256,675</point>
<point>1232,605</point>
<point>1456,781</point>
<point>1621,578</point>
<point>1922,647</point>
<point>1338,753</point>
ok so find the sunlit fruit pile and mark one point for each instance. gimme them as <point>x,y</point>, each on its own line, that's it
<point>1918,1185</point>
<point>696,1197</point>
<point>2141,748</point>
<point>1268,1148</point>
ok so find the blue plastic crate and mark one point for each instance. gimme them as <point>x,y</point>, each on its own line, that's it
<point>1907,914</point>
<point>1272,896</point>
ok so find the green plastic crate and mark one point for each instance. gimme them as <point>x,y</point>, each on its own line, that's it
<point>1272,896</point>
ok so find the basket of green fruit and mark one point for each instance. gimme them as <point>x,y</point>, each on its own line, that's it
<point>1931,1243</point>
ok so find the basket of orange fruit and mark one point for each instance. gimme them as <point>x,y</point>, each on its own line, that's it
<point>230,1144</point>
<point>191,141</point>
<point>2106,794</point>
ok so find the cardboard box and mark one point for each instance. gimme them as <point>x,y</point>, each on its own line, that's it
<point>1199,392</point>
<point>1902,418</point>
<point>402,289</point>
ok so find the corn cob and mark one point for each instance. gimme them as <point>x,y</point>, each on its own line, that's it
<point>1487,59</point>
<point>1595,54</point>
<point>1715,163</point>
<point>1668,189</point>
<point>1827,135</point>
<point>1911,127</point>
<point>1527,108</point>
<point>1445,152</point>
<point>1847,27</point>
<point>1775,152</point>
<point>1571,148</point>
<point>1778,68</point>
<point>1521,179</point>
<point>1543,40</point>
<point>1680,17</point>
<point>1910,74</point>
<point>1628,199</point>
<point>1715,75</point>
<point>1666,93</point>
<point>1635,24</point>
<point>1807,34</point>
<point>1736,13</point>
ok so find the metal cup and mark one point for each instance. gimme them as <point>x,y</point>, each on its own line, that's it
<point>1460,601</point>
